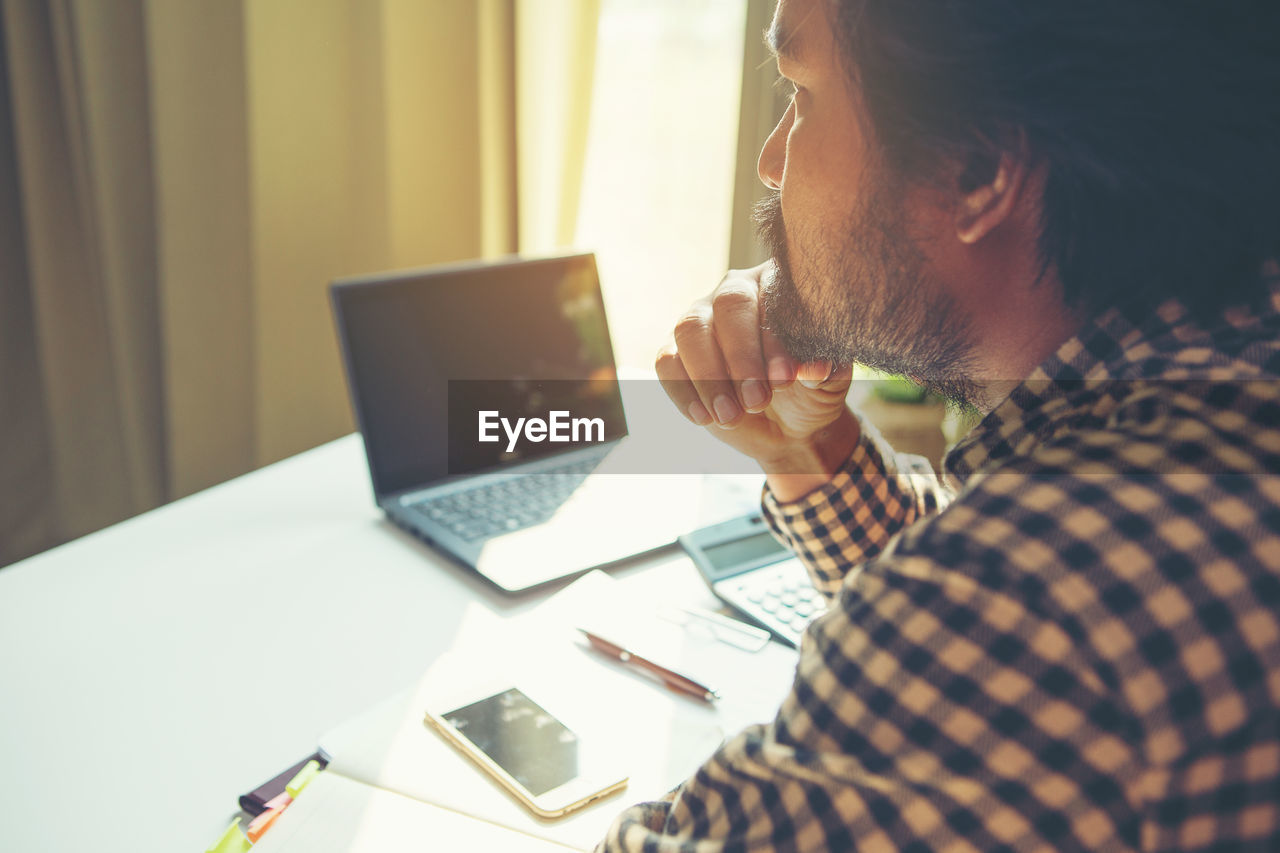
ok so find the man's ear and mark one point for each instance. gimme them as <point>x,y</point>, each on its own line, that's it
<point>990,191</point>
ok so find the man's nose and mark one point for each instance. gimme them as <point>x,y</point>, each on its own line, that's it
<point>773,156</point>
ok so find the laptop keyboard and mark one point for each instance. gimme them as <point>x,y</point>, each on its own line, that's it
<point>506,505</point>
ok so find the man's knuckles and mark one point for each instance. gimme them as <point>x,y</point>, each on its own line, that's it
<point>694,325</point>
<point>734,298</point>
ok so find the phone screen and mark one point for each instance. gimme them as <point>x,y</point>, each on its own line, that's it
<point>535,748</point>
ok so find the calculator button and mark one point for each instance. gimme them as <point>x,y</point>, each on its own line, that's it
<point>804,609</point>
<point>789,599</point>
<point>769,605</point>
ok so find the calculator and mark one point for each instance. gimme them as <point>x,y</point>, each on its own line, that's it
<point>749,569</point>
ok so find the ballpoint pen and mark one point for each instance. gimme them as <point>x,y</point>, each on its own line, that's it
<point>672,680</point>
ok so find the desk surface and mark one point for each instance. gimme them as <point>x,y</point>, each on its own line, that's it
<point>173,661</point>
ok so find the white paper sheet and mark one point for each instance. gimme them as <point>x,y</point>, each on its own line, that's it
<point>659,737</point>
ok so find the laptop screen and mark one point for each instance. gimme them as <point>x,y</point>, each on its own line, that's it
<point>427,351</point>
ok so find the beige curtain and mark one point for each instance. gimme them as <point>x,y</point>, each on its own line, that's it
<point>179,181</point>
<point>555,63</point>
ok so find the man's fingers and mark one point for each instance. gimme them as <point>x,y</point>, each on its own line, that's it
<point>824,375</point>
<point>781,367</point>
<point>699,353</point>
<point>840,379</point>
<point>675,381</point>
<point>812,374</point>
<point>736,324</point>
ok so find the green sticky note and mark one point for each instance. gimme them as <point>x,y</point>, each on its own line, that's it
<point>305,775</point>
<point>232,841</point>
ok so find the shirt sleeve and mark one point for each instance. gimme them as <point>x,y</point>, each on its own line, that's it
<point>929,711</point>
<point>876,494</point>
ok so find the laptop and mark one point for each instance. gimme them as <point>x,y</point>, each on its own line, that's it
<point>488,400</point>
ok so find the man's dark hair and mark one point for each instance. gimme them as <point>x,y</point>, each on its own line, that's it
<point>1159,123</point>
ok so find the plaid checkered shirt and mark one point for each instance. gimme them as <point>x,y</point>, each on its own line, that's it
<point>1070,643</point>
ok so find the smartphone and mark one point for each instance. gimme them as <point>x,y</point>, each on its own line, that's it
<point>538,759</point>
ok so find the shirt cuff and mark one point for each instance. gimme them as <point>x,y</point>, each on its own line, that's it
<point>849,519</point>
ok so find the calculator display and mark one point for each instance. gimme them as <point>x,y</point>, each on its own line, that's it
<point>738,552</point>
<point>756,575</point>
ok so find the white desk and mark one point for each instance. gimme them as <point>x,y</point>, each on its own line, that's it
<point>165,665</point>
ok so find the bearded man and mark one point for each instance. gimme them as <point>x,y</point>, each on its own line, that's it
<point>1067,216</point>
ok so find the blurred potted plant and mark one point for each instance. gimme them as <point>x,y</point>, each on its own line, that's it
<point>907,414</point>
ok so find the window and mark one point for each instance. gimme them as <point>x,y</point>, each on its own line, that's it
<point>658,183</point>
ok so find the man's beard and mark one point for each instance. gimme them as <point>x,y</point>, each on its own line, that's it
<point>870,299</point>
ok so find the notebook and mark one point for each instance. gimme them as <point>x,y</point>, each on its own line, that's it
<point>492,417</point>
<point>663,737</point>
